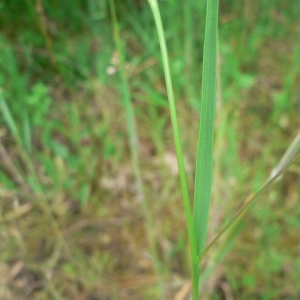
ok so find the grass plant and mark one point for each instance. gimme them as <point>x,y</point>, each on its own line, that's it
<point>83,105</point>
<point>198,226</point>
<point>180,160</point>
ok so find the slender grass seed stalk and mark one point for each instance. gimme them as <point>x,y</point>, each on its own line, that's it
<point>178,147</point>
<point>133,141</point>
<point>248,205</point>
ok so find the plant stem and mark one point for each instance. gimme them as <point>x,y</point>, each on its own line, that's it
<point>246,207</point>
<point>133,141</point>
<point>182,174</point>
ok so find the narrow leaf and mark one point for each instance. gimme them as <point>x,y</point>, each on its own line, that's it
<point>177,140</point>
<point>203,176</point>
<point>247,206</point>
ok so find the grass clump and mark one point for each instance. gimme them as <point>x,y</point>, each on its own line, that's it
<point>198,226</point>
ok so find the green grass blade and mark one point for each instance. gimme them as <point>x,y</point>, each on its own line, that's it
<point>8,118</point>
<point>182,174</point>
<point>203,175</point>
<point>247,206</point>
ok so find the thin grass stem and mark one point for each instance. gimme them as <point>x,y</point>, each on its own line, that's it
<point>247,206</point>
<point>133,141</point>
<point>177,140</point>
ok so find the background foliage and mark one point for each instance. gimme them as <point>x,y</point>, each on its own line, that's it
<point>71,223</point>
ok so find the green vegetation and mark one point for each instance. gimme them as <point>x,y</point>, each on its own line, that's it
<point>91,205</point>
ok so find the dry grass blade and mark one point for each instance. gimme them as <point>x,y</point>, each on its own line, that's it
<point>247,206</point>
<point>288,156</point>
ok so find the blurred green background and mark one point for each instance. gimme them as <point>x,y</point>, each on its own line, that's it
<point>71,222</point>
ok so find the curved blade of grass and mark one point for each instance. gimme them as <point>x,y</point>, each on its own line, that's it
<point>247,206</point>
<point>233,231</point>
<point>178,147</point>
<point>203,174</point>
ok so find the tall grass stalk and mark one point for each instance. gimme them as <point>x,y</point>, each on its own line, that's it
<point>182,174</point>
<point>133,141</point>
